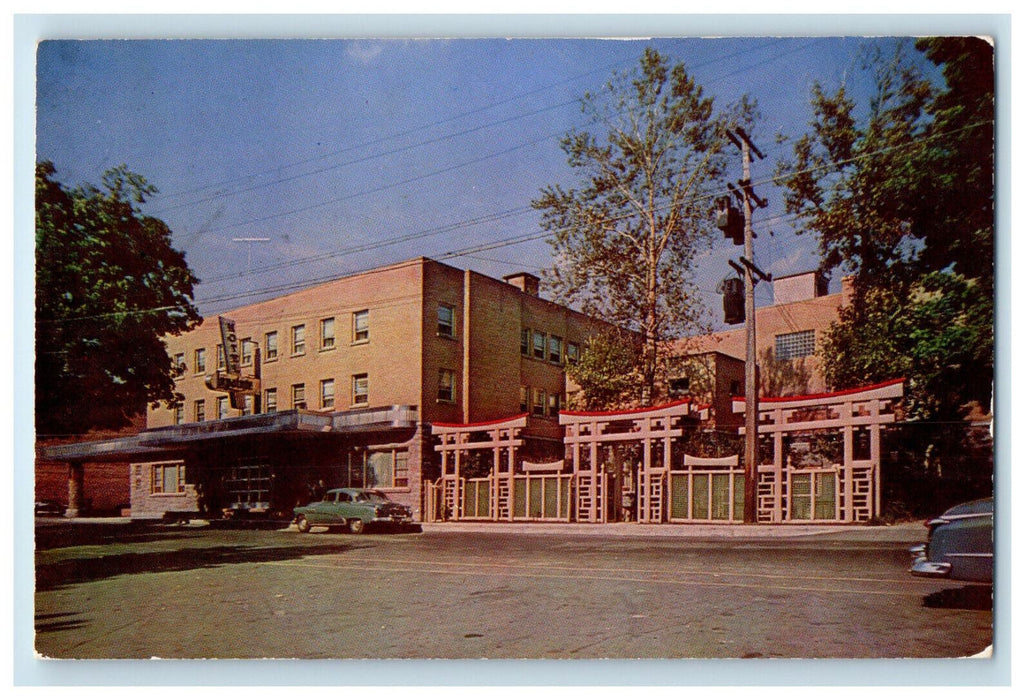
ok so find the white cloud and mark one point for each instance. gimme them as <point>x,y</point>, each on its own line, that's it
<point>364,51</point>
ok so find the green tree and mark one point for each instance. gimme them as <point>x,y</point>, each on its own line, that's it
<point>901,197</point>
<point>109,285</point>
<point>627,236</point>
<point>606,373</point>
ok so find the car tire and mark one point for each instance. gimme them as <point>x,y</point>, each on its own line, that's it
<point>356,527</point>
<point>303,525</point>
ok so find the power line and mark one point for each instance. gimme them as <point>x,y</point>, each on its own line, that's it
<point>527,237</point>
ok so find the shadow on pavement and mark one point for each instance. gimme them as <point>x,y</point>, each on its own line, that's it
<point>966,598</point>
<point>71,571</point>
<point>55,622</point>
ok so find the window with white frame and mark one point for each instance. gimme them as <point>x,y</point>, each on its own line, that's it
<point>539,345</point>
<point>326,393</point>
<point>200,360</point>
<point>555,349</point>
<point>572,353</point>
<point>271,345</point>
<point>360,326</point>
<point>538,408</point>
<point>327,335</point>
<point>297,397</point>
<point>198,411</point>
<point>168,478</point>
<point>220,357</point>
<point>525,342</point>
<point>790,346</point>
<point>178,413</point>
<point>297,340</point>
<point>446,386</point>
<point>246,352</point>
<point>270,401</point>
<point>378,468</point>
<point>179,364</point>
<point>359,389</point>
<point>222,406</point>
<point>446,320</point>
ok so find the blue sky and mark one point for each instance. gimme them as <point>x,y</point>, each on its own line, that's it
<point>349,154</point>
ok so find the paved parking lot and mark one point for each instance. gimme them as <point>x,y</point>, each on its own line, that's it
<point>453,592</point>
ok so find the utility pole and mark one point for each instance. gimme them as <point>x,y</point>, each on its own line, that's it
<point>752,403</point>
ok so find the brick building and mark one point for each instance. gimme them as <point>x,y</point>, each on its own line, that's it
<point>788,333</point>
<point>346,379</point>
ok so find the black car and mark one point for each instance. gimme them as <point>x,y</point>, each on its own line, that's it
<point>960,544</point>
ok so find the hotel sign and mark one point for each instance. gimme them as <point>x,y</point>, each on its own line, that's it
<point>230,349</point>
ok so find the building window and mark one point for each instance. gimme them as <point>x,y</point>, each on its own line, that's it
<point>327,336</point>
<point>249,404</point>
<point>360,326</point>
<point>271,345</point>
<point>539,402</point>
<point>246,352</point>
<point>446,386</point>
<point>555,404</point>
<point>525,342</point>
<point>446,320</point>
<point>222,406</point>
<point>270,401</point>
<point>168,478</point>
<point>326,393</point>
<point>297,397</point>
<point>380,469</point>
<point>359,389</point>
<point>524,399</point>
<point>178,413</point>
<point>539,345</point>
<point>572,353</point>
<point>200,361</point>
<point>297,340</point>
<point>555,349</point>
<point>220,357</point>
<point>198,411</point>
<point>178,364</point>
<point>791,346</point>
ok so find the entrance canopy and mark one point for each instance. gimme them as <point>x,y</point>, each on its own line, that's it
<point>158,442</point>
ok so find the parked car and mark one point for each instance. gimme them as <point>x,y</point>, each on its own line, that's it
<point>960,544</point>
<point>355,509</point>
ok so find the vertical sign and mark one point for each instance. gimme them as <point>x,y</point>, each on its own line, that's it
<point>229,346</point>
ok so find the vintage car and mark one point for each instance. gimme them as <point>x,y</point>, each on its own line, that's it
<point>355,509</point>
<point>960,544</point>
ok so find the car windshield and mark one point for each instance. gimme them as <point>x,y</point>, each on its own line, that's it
<point>371,496</point>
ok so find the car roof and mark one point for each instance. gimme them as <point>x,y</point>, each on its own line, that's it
<point>982,505</point>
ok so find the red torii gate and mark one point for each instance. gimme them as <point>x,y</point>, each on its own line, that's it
<point>655,428</point>
<point>797,485</point>
<point>456,440</point>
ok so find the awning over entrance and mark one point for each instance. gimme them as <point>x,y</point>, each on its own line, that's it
<point>161,441</point>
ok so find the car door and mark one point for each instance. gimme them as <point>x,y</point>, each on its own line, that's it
<point>325,510</point>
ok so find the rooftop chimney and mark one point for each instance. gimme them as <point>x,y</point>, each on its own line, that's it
<point>524,281</point>
<point>800,287</point>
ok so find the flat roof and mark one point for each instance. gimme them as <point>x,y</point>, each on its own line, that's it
<point>155,442</point>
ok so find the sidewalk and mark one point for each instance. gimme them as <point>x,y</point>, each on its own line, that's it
<point>904,532</point>
<point>911,532</point>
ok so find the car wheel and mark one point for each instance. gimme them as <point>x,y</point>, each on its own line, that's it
<point>302,524</point>
<point>356,527</point>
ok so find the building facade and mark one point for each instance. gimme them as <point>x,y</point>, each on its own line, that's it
<point>343,381</point>
<point>788,335</point>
